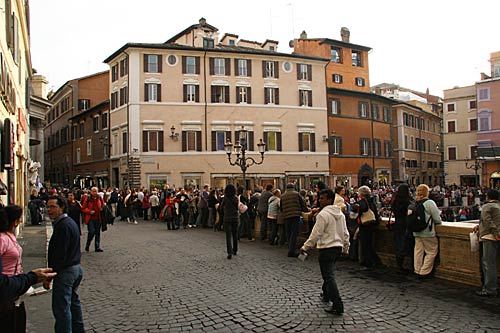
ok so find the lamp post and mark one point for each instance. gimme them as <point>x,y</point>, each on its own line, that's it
<point>476,166</point>
<point>240,149</point>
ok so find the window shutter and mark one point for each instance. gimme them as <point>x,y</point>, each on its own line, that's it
<point>158,92</point>
<point>301,146</point>
<point>276,70</point>
<point>369,146</point>
<point>145,141</point>
<point>184,65</point>
<point>213,93</point>
<point>226,94</point>
<point>145,63</point>
<point>184,141</point>
<point>212,66</point>
<point>266,141</point>
<point>238,94</point>
<point>298,71</point>
<point>160,141</point>
<point>236,70</point>
<point>359,109</point>
<point>309,98</point>
<point>250,141</point>
<point>198,140</point>
<point>184,93</point>
<point>146,91</point>
<point>264,68</point>
<point>277,99</point>
<point>313,141</point>
<point>338,107</point>
<point>360,146</point>
<point>249,95</point>
<point>8,18</point>
<point>197,93</point>
<point>197,64</point>
<point>214,141</point>
<point>340,146</point>
<point>160,63</point>
<point>227,65</point>
<point>278,141</point>
<point>309,72</point>
<point>249,67</point>
<point>266,95</point>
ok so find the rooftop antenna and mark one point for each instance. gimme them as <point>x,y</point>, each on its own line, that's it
<point>293,19</point>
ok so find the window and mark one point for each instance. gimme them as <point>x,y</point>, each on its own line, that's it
<point>114,100</point>
<point>220,94</point>
<point>364,146</point>
<point>82,130</point>
<point>208,43</point>
<point>406,141</point>
<point>219,66</point>
<point>89,147</point>
<point>152,92</point>
<point>243,95</point>
<point>336,145</point>
<point>190,65</point>
<point>271,95</point>
<point>272,141</point>
<point>124,142</point>
<point>356,59</point>
<point>452,153</point>
<point>74,129</point>
<point>95,124</point>
<point>377,147</point>
<point>363,109</point>
<point>412,142</point>
<point>405,119</point>
<point>336,55</point>
<point>304,72</point>
<point>243,67</point>
<point>104,120</point>
<point>305,97</point>
<point>472,105</point>
<point>123,96</point>
<point>83,104</point>
<point>375,111</point>
<point>191,140</point>
<point>387,149</point>
<point>450,107</point>
<point>496,70</point>
<point>387,114</point>
<point>114,73</point>
<point>360,82</point>
<point>483,94</point>
<point>484,123</point>
<point>124,67</point>
<point>337,78</point>
<point>307,142</point>
<point>473,124</point>
<point>219,138</point>
<point>473,152</point>
<point>270,69</point>
<point>232,42</point>
<point>191,93</point>
<point>152,63</point>
<point>78,155</point>
<point>335,106</point>
<point>152,141</point>
<point>411,119</point>
<point>451,126</point>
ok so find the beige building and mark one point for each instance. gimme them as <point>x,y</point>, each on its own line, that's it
<point>15,74</point>
<point>175,104</point>
<point>460,134</point>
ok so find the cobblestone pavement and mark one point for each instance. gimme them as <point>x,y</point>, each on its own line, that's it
<point>153,280</point>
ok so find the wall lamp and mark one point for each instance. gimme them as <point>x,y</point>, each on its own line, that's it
<point>174,136</point>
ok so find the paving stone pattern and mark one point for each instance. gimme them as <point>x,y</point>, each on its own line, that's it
<point>153,280</point>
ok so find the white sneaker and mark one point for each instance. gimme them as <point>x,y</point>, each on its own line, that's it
<point>135,222</point>
<point>128,220</point>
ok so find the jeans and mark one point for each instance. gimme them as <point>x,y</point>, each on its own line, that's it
<point>155,212</point>
<point>231,229</point>
<point>489,266</point>
<point>245,229</point>
<point>273,225</point>
<point>94,228</point>
<point>293,229</point>
<point>327,259</point>
<point>263,226</point>
<point>66,305</point>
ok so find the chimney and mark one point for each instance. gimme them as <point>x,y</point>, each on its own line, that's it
<point>39,86</point>
<point>303,35</point>
<point>203,21</point>
<point>345,34</point>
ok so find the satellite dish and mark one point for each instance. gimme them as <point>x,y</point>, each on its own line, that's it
<point>290,43</point>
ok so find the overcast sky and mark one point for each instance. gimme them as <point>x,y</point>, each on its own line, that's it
<point>422,44</point>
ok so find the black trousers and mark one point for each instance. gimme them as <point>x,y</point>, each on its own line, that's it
<point>327,259</point>
<point>231,229</point>
<point>13,320</point>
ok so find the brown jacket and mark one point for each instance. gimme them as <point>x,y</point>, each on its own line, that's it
<point>490,219</point>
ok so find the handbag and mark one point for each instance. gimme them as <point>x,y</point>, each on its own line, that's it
<point>368,217</point>
<point>242,208</point>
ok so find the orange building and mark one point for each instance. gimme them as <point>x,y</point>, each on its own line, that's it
<point>359,122</point>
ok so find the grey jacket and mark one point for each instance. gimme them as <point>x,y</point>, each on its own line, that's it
<point>490,219</point>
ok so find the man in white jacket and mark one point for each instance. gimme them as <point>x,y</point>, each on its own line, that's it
<point>331,237</point>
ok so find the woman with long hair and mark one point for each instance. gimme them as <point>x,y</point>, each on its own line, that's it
<point>13,319</point>
<point>403,238</point>
<point>231,218</point>
<point>369,257</point>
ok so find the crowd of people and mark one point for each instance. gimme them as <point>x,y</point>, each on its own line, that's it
<point>340,223</point>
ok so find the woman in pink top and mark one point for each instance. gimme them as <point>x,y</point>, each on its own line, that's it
<point>13,319</point>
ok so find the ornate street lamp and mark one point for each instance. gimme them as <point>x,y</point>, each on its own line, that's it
<point>476,166</point>
<point>240,149</point>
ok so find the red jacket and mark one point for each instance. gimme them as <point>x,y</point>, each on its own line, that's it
<point>89,204</point>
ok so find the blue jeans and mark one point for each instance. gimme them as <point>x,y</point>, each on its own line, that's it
<point>489,266</point>
<point>293,229</point>
<point>94,228</point>
<point>327,259</point>
<point>66,305</point>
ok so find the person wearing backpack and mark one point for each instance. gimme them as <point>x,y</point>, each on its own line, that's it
<point>426,242</point>
<point>403,238</point>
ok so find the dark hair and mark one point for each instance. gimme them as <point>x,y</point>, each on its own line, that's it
<point>403,193</point>
<point>14,212</point>
<point>492,194</point>
<point>60,201</point>
<point>241,189</point>
<point>229,191</point>
<point>4,221</point>
<point>329,193</point>
<point>269,187</point>
<point>338,189</point>
<point>320,185</point>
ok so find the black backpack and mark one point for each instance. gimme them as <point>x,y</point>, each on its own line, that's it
<point>416,220</point>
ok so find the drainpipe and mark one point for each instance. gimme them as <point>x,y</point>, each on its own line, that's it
<point>128,120</point>
<point>372,142</point>
<point>205,102</point>
<point>330,179</point>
